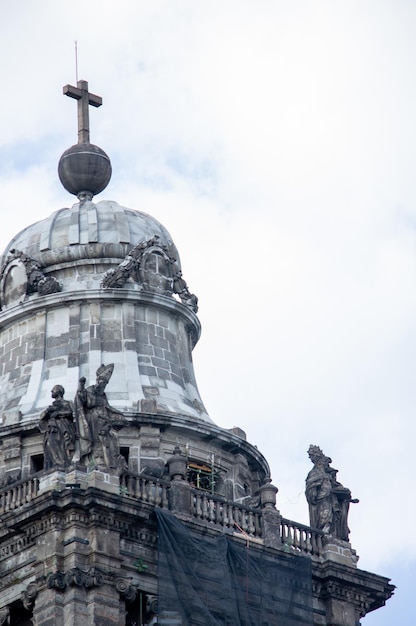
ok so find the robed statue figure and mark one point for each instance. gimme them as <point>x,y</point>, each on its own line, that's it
<point>328,500</point>
<point>96,420</point>
<point>58,428</point>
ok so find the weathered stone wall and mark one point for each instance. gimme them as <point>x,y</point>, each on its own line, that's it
<point>149,339</point>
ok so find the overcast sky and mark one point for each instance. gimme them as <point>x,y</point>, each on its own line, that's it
<point>276,141</point>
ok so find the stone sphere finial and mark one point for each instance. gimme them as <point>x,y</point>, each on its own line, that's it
<point>84,168</point>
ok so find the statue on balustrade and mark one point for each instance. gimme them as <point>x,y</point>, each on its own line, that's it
<point>97,422</point>
<point>328,499</point>
<point>58,428</point>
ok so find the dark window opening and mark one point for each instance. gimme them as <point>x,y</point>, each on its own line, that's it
<point>19,616</point>
<point>36,463</point>
<point>125,452</point>
<point>142,611</point>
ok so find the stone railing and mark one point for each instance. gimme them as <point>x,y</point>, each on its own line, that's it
<point>201,505</point>
<point>301,538</point>
<point>145,488</point>
<point>237,517</point>
<point>18,494</point>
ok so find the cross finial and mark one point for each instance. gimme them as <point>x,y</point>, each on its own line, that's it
<point>81,93</point>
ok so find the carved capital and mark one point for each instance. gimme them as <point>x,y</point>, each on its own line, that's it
<point>152,605</point>
<point>29,595</point>
<point>94,578</point>
<point>75,577</point>
<point>126,589</point>
<point>56,581</point>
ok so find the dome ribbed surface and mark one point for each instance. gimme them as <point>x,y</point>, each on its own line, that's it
<point>89,231</point>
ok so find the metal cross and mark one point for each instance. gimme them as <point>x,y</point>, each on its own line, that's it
<point>81,93</point>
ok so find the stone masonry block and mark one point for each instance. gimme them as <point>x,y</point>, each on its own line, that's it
<point>151,315</point>
<point>148,371</point>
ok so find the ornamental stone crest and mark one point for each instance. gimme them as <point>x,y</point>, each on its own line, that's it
<point>21,276</point>
<point>150,265</point>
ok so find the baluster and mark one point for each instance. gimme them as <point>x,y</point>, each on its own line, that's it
<point>198,506</point>
<point>204,507</point>
<point>9,499</point>
<point>309,541</point>
<point>14,493</point>
<point>230,516</point>
<point>296,533</point>
<point>257,525</point>
<point>142,490</point>
<point>165,502</point>
<point>29,489</point>
<point>318,544</point>
<point>250,524</point>
<point>212,510</point>
<point>25,489</point>
<point>290,540</point>
<point>193,508</point>
<point>225,514</point>
<point>157,493</point>
<point>236,518</point>
<point>151,491</point>
<point>244,516</point>
<point>302,541</point>
<point>218,513</point>
<point>19,495</point>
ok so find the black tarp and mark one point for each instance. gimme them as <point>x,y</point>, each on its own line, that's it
<point>220,582</point>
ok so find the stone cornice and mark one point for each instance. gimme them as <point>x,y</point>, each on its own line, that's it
<point>365,590</point>
<point>36,303</point>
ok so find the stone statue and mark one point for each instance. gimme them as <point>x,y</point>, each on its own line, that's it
<point>96,422</point>
<point>58,428</point>
<point>328,500</point>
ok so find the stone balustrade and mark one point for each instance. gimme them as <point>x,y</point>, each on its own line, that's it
<point>301,538</point>
<point>204,506</point>
<point>232,515</point>
<point>144,488</point>
<point>18,494</point>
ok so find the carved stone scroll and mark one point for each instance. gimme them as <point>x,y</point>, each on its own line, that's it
<point>150,265</point>
<point>21,276</point>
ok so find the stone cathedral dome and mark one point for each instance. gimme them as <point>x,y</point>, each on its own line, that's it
<point>115,272</point>
<point>91,237</point>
